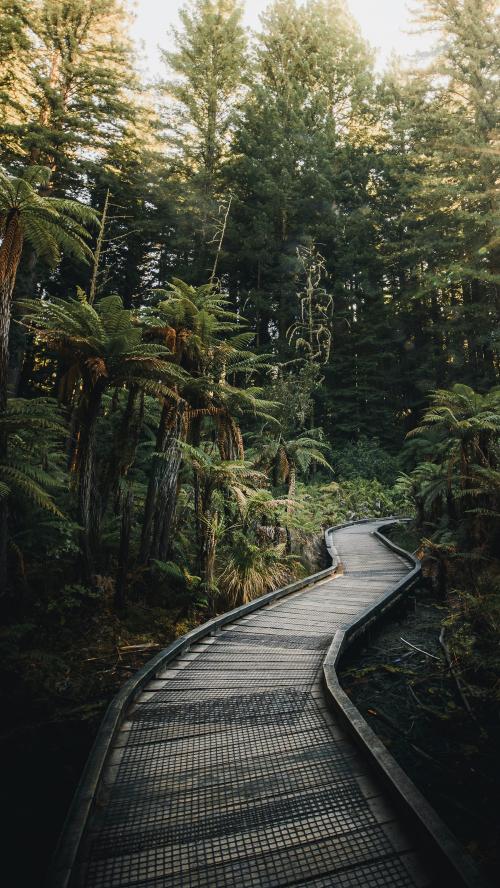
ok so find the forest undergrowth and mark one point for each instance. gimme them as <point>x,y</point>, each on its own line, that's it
<point>441,726</point>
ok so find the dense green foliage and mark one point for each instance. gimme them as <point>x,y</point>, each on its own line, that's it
<point>456,491</point>
<point>336,233</point>
<point>226,301</point>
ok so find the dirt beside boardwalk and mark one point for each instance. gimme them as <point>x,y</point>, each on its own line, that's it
<point>412,702</point>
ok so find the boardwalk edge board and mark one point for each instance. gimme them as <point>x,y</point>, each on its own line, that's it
<point>455,862</point>
<point>87,794</point>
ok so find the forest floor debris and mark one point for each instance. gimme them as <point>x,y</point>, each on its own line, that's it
<point>412,701</point>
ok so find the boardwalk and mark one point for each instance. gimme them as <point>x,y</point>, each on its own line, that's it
<point>230,770</point>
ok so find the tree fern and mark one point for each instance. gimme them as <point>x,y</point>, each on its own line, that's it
<point>103,347</point>
<point>22,472</point>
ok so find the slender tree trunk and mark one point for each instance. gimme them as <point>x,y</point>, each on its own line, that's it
<point>209,564</point>
<point>208,546</point>
<point>10,255</point>
<point>153,484</point>
<point>22,359</point>
<point>221,241</point>
<point>451,507</point>
<point>23,370</point>
<point>292,488</point>
<point>123,555</point>
<point>5,294</point>
<point>437,341</point>
<point>167,495</point>
<point>132,278</point>
<point>4,506</point>
<point>194,439</point>
<point>88,499</point>
<point>198,513</point>
<point>125,444</point>
<point>98,251</point>
<point>162,488</point>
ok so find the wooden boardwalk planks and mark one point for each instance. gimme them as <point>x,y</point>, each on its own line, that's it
<point>230,771</point>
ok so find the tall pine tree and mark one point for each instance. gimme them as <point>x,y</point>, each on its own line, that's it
<point>205,78</point>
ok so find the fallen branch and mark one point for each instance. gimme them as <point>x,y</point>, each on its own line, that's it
<point>404,735</point>
<point>454,675</point>
<point>434,712</point>
<point>420,650</point>
<point>129,648</point>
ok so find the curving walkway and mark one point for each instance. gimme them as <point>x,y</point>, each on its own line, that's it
<point>231,771</point>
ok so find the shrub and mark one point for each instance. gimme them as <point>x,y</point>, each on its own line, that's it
<point>365,458</point>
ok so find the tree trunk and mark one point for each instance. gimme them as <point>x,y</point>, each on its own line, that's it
<point>292,488</point>
<point>194,440</point>
<point>88,499</point>
<point>125,444</point>
<point>5,294</point>
<point>21,360</point>
<point>167,495</point>
<point>162,488</point>
<point>207,555</point>
<point>23,371</point>
<point>10,255</point>
<point>123,555</point>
